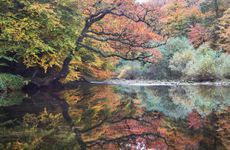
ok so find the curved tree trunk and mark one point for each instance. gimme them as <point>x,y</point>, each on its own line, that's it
<point>64,70</point>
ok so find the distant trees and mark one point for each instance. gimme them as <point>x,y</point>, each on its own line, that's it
<point>65,40</point>
<point>181,60</point>
<point>203,66</point>
<point>200,40</point>
<point>214,9</point>
<point>198,35</point>
<point>178,16</point>
<point>223,32</point>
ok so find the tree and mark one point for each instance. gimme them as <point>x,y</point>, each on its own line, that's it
<point>126,36</point>
<point>179,61</point>
<point>41,33</point>
<point>214,8</point>
<point>179,15</point>
<point>38,33</point>
<point>213,11</point>
<point>198,35</point>
<point>223,32</point>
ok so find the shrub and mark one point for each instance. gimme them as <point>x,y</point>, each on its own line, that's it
<point>131,73</point>
<point>203,66</point>
<point>161,69</point>
<point>11,82</point>
<point>224,67</point>
<point>180,59</point>
<point>174,45</point>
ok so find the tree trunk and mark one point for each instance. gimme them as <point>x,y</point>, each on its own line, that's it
<point>216,8</point>
<point>64,70</point>
<point>65,67</point>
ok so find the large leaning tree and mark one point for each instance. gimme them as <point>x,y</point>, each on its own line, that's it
<point>115,28</point>
<point>44,34</point>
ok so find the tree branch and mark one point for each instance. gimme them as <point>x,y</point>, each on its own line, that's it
<point>126,138</point>
<point>140,57</point>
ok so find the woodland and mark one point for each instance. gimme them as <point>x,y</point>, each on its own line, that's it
<point>57,41</point>
<point>55,55</point>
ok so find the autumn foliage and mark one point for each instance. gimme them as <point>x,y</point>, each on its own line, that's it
<point>75,38</point>
<point>224,32</point>
<point>194,120</point>
<point>198,35</point>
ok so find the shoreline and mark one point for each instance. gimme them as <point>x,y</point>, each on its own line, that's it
<point>160,83</point>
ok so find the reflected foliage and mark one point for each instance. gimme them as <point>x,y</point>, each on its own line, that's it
<point>118,117</point>
<point>12,98</point>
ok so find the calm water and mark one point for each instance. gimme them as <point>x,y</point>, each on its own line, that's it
<point>117,117</point>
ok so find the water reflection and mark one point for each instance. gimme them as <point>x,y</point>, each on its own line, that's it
<point>118,117</point>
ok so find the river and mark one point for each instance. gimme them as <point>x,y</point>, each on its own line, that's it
<point>111,117</point>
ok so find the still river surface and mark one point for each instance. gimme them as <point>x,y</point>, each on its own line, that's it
<point>114,117</point>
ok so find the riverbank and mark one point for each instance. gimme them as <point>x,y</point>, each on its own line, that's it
<point>160,83</point>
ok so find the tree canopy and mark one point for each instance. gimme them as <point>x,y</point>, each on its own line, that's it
<point>72,38</point>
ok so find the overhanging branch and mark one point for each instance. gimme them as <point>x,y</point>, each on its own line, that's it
<point>125,42</point>
<point>140,57</point>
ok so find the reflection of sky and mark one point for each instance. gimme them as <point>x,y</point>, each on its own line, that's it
<point>142,1</point>
<point>180,101</point>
